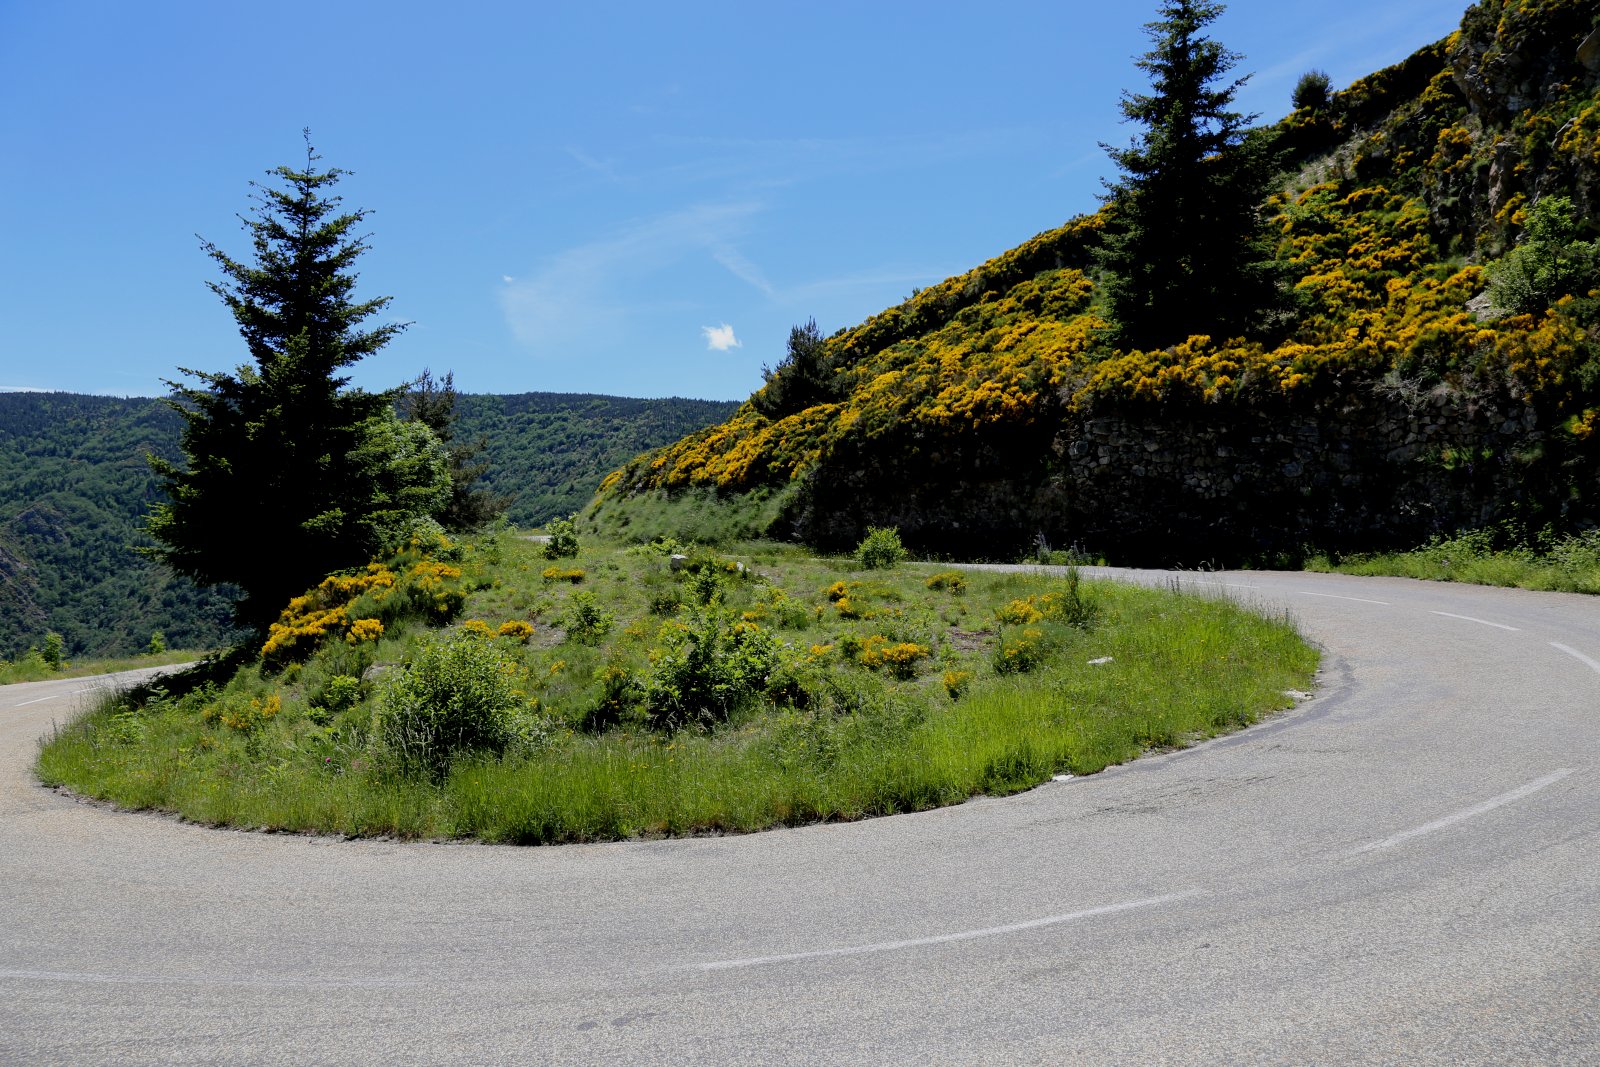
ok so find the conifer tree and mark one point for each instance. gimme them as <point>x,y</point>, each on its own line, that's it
<point>804,378</point>
<point>1187,252</point>
<point>432,402</point>
<point>290,473</point>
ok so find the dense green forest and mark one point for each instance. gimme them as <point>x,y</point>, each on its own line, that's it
<point>75,487</point>
<point>547,452</point>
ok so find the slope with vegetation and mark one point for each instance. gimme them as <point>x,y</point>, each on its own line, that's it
<point>484,689</point>
<point>1380,398</point>
<point>75,488</point>
<point>424,685</point>
<point>547,453</point>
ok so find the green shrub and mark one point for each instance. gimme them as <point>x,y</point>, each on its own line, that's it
<point>342,692</point>
<point>1076,607</point>
<point>158,643</point>
<point>586,620</point>
<point>54,651</point>
<point>453,697</point>
<point>881,548</point>
<point>621,695</point>
<point>563,541</point>
<point>1549,263</point>
<point>665,602</point>
<point>705,586</point>
<point>709,668</point>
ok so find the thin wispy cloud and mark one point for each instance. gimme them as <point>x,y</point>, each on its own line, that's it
<point>720,338</point>
<point>603,167</point>
<point>775,162</point>
<point>737,265</point>
<point>577,297</point>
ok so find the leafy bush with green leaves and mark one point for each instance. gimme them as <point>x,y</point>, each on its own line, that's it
<point>587,621</point>
<point>563,542</point>
<point>54,651</point>
<point>1549,263</point>
<point>881,548</point>
<point>708,668</point>
<point>341,693</point>
<point>453,697</point>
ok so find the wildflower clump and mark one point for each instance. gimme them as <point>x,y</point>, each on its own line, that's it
<point>1069,605</point>
<point>953,582</point>
<point>572,576</point>
<point>516,629</point>
<point>364,630</point>
<point>243,716</point>
<point>898,659</point>
<point>1019,655</point>
<point>358,606</point>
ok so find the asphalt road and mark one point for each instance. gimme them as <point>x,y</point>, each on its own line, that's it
<point>1404,869</point>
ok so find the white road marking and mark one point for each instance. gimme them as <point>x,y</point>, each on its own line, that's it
<point>1579,656</point>
<point>942,939</point>
<point>1335,596</point>
<point>36,700</point>
<point>1478,809</point>
<point>1480,622</point>
<point>89,977</point>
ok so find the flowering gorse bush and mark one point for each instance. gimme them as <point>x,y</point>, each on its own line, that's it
<point>357,606</point>
<point>897,658</point>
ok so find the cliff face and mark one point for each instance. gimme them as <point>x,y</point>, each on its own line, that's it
<point>1497,114</point>
<point>988,411</point>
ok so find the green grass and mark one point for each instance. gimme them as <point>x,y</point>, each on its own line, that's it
<point>829,738</point>
<point>1568,564</point>
<point>34,669</point>
<point>696,514</point>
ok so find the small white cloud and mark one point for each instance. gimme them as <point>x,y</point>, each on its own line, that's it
<point>508,279</point>
<point>720,338</point>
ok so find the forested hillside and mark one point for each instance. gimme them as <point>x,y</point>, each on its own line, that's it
<point>548,452</point>
<point>75,487</point>
<point>1386,399</point>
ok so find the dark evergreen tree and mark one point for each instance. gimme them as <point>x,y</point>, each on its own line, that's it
<point>1313,91</point>
<point>1188,252</point>
<point>804,378</point>
<point>433,403</point>
<point>290,473</point>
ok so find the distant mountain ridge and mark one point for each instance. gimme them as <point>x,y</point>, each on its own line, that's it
<point>75,486</point>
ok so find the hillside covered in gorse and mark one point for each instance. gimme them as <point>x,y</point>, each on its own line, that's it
<point>1394,399</point>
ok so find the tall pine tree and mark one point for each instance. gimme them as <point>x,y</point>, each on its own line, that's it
<point>290,473</point>
<point>1187,252</point>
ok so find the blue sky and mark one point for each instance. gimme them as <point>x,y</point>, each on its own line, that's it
<point>629,198</point>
